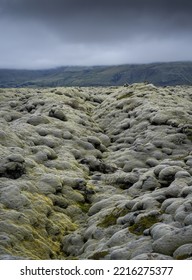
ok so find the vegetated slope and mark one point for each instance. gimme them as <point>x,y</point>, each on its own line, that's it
<point>96,173</point>
<point>174,73</point>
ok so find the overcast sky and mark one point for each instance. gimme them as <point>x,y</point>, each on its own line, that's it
<point>50,33</point>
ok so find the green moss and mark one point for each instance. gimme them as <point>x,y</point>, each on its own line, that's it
<point>144,223</point>
<point>98,255</point>
<point>84,206</point>
<point>183,257</point>
<point>110,219</point>
<point>126,95</point>
<point>71,258</point>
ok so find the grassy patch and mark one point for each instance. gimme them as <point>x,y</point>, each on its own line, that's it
<point>111,219</point>
<point>98,255</point>
<point>183,257</point>
<point>144,223</point>
<point>126,95</point>
<point>84,206</point>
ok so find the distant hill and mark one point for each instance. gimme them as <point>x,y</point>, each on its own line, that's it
<point>162,74</point>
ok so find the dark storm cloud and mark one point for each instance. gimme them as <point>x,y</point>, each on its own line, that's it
<point>116,16</point>
<point>52,32</point>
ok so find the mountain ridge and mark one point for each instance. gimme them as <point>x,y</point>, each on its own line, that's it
<point>160,74</point>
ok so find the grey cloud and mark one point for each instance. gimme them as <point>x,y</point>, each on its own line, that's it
<point>103,8</point>
<point>93,12</point>
<point>56,32</point>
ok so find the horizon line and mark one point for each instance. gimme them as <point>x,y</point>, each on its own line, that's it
<point>91,66</point>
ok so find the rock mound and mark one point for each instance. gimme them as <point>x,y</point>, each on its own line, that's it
<point>96,173</point>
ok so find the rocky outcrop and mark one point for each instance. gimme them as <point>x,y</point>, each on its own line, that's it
<point>96,173</point>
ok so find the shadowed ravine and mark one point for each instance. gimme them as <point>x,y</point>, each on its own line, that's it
<point>96,173</point>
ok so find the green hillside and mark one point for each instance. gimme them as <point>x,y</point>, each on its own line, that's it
<point>174,73</point>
